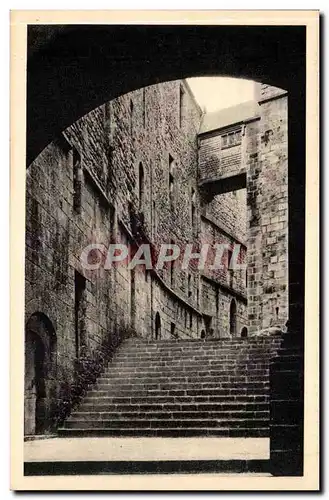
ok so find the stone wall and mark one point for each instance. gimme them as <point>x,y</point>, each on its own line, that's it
<point>215,161</point>
<point>267,188</point>
<point>128,172</point>
<point>82,189</point>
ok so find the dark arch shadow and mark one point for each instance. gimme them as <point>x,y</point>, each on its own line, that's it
<point>74,69</point>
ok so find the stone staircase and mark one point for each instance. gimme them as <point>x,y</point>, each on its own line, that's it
<point>180,388</point>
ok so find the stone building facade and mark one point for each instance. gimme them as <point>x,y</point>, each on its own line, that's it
<point>150,167</point>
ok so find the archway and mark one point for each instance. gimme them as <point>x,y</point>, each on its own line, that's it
<point>155,54</point>
<point>157,326</point>
<point>160,53</point>
<point>40,374</point>
<point>244,332</point>
<point>233,318</point>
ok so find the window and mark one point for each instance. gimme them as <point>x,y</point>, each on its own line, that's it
<point>189,286</point>
<point>172,330</point>
<point>193,220</point>
<point>157,326</point>
<point>144,106</point>
<point>233,318</point>
<point>244,332</point>
<point>229,270</point>
<point>182,105</point>
<point>79,311</point>
<point>77,180</point>
<point>141,186</point>
<point>171,263</point>
<point>154,220</point>
<point>171,181</point>
<point>191,321</point>
<point>131,116</point>
<point>231,139</point>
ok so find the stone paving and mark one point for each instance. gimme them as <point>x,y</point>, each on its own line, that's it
<point>148,449</point>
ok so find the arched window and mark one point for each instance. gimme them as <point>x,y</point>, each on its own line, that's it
<point>141,186</point>
<point>193,219</point>
<point>157,326</point>
<point>77,180</point>
<point>171,181</point>
<point>131,105</point>
<point>233,318</point>
<point>203,334</point>
<point>244,332</point>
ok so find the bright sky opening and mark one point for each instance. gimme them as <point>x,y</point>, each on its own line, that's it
<point>214,93</point>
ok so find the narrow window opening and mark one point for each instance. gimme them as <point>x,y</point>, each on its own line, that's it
<point>144,106</point>
<point>154,219</point>
<point>189,285</point>
<point>141,186</point>
<point>171,263</point>
<point>131,116</point>
<point>77,180</point>
<point>229,268</point>
<point>193,219</point>
<point>173,330</point>
<point>171,181</point>
<point>157,326</point>
<point>79,311</point>
<point>181,106</point>
<point>233,318</point>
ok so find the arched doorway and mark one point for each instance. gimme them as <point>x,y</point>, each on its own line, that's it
<point>244,332</point>
<point>40,374</point>
<point>233,318</point>
<point>157,326</point>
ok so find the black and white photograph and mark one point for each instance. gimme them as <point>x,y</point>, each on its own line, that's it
<point>163,327</point>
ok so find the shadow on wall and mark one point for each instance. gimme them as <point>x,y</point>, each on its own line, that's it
<point>40,373</point>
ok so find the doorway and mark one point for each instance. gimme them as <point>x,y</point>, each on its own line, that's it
<point>157,326</point>
<point>40,345</point>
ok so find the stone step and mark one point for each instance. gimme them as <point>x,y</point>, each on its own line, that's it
<point>97,406</point>
<point>189,361</point>
<point>214,381</point>
<point>140,423</point>
<point>166,415</point>
<point>184,347</point>
<point>184,371</point>
<point>168,432</point>
<point>180,392</point>
<point>197,352</point>
<point>161,399</point>
<point>210,343</point>
<point>160,378</point>
<point>169,385</point>
<point>180,388</point>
